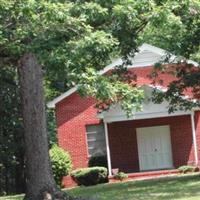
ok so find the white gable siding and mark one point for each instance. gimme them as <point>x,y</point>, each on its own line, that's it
<point>145,58</point>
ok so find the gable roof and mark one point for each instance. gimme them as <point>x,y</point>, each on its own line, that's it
<point>147,56</point>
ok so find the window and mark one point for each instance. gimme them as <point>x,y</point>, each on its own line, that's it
<point>96,139</point>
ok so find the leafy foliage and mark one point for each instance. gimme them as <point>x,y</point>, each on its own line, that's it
<point>175,27</point>
<point>98,161</point>
<point>71,39</point>
<point>109,91</point>
<point>183,93</point>
<point>51,127</point>
<point>74,40</point>
<point>121,176</point>
<point>90,176</point>
<point>179,34</point>
<point>11,133</point>
<point>186,168</point>
<point>60,162</point>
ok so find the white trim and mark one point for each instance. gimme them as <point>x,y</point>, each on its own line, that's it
<point>194,139</point>
<point>162,52</point>
<point>143,48</point>
<point>108,149</point>
<point>144,116</point>
<point>52,104</point>
<point>148,47</point>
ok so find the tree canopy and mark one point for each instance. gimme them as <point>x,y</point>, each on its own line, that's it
<point>71,39</point>
<point>180,35</point>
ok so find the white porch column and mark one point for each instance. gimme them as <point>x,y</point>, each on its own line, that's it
<point>108,149</point>
<point>194,139</point>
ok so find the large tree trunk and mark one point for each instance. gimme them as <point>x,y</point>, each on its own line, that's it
<point>40,184</point>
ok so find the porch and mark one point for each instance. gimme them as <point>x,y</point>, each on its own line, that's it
<point>152,140</point>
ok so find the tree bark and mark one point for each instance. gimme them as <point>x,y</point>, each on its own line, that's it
<point>40,184</point>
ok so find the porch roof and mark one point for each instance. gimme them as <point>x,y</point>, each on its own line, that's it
<point>149,110</point>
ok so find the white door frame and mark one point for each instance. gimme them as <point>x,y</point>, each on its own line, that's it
<point>108,149</point>
<point>194,139</point>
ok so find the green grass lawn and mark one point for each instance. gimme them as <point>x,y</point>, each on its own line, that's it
<point>180,188</point>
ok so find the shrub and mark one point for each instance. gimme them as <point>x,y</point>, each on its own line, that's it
<point>186,168</point>
<point>120,176</point>
<point>98,161</point>
<point>61,163</point>
<point>90,176</point>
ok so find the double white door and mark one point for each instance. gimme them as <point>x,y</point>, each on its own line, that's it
<point>154,148</point>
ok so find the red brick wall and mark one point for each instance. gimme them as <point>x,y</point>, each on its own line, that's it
<point>72,114</point>
<point>123,144</point>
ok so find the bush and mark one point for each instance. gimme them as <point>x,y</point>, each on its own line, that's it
<point>186,168</point>
<point>98,161</point>
<point>61,163</point>
<point>120,176</point>
<point>90,176</point>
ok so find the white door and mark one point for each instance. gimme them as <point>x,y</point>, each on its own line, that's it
<point>154,147</point>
